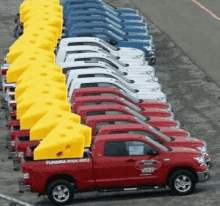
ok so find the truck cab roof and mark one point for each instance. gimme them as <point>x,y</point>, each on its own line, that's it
<point>99,99</point>
<point>106,109</point>
<point>169,131</point>
<point>91,91</point>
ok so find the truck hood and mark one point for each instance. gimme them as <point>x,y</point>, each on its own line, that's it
<point>151,95</point>
<point>188,142</point>
<point>185,151</point>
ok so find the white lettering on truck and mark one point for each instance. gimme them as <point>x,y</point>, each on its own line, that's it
<point>55,162</point>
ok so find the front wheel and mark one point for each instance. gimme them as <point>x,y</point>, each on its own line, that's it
<point>60,192</point>
<point>182,182</point>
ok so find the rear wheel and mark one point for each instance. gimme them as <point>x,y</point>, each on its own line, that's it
<point>60,192</point>
<point>182,182</point>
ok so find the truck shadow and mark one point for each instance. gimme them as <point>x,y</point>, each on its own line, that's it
<point>95,197</point>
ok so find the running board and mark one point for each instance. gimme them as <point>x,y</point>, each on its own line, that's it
<point>132,189</point>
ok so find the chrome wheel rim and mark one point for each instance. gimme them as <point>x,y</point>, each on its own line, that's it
<point>61,193</point>
<point>183,183</point>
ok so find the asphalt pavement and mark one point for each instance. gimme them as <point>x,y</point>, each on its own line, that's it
<point>186,39</point>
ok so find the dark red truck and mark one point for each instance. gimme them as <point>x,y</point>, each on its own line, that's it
<point>107,100</point>
<point>96,121</point>
<point>165,137</point>
<point>116,162</point>
<point>142,103</point>
<point>22,143</point>
<point>125,128</point>
<point>85,111</point>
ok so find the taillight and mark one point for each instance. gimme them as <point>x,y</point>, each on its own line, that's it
<point>4,71</point>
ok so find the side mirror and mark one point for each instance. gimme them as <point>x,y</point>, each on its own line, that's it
<point>152,152</point>
<point>112,42</point>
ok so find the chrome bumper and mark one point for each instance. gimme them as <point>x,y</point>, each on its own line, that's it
<point>11,154</point>
<point>23,187</point>
<point>203,176</point>
<point>16,164</point>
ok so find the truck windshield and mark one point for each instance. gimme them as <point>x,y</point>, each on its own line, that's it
<point>138,115</point>
<point>117,30</point>
<point>135,100</point>
<point>112,16</point>
<point>108,45</point>
<point>125,85</point>
<point>119,62</point>
<point>114,35</point>
<point>159,133</point>
<point>162,147</point>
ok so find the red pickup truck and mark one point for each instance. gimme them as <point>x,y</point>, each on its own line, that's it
<point>164,137</point>
<point>98,120</point>
<point>125,128</point>
<point>115,100</point>
<point>85,111</point>
<point>116,162</point>
<point>142,103</point>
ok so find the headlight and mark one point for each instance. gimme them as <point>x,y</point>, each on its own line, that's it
<point>150,73</point>
<point>178,125</point>
<point>202,149</point>
<point>156,89</point>
<point>148,48</point>
<point>25,175</point>
<point>200,160</point>
<point>161,99</point>
<point>139,56</point>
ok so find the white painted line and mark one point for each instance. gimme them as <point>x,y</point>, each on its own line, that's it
<point>205,9</point>
<point>14,200</point>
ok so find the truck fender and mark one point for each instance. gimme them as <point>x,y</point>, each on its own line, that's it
<point>66,177</point>
<point>174,169</point>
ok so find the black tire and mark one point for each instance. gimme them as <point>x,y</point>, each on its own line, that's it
<point>181,175</point>
<point>63,185</point>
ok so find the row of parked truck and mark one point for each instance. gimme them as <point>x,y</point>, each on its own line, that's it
<point>107,54</point>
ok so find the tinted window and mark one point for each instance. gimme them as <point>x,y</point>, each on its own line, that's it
<point>87,43</point>
<point>115,149</point>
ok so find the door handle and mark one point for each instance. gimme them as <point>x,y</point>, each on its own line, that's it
<point>130,160</point>
<point>147,162</point>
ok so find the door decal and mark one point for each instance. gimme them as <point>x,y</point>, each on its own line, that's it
<point>148,166</point>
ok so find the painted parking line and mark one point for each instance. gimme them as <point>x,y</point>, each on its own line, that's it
<point>205,9</point>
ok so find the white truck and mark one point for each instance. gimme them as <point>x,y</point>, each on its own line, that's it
<point>110,82</point>
<point>95,58</point>
<point>138,84</point>
<point>123,52</point>
<point>63,52</point>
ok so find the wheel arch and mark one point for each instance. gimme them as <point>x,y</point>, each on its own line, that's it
<point>190,169</point>
<point>66,177</point>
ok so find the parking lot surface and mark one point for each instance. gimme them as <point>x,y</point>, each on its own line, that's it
<point>193,93</point>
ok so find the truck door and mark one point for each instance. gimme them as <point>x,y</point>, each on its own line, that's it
<point>111,168</point>
<point>144,163</point>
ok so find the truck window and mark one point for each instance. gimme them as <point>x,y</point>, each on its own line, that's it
<point>70,86</point>
<point>143,133</point>
<point>88,43</point>
<point>135,148</point>
<point>96,103</point>
<point>98,124</point>
<point>95,113</point>
<point>115,149</point>
<point>84,85</point>
<point>15,128</point>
